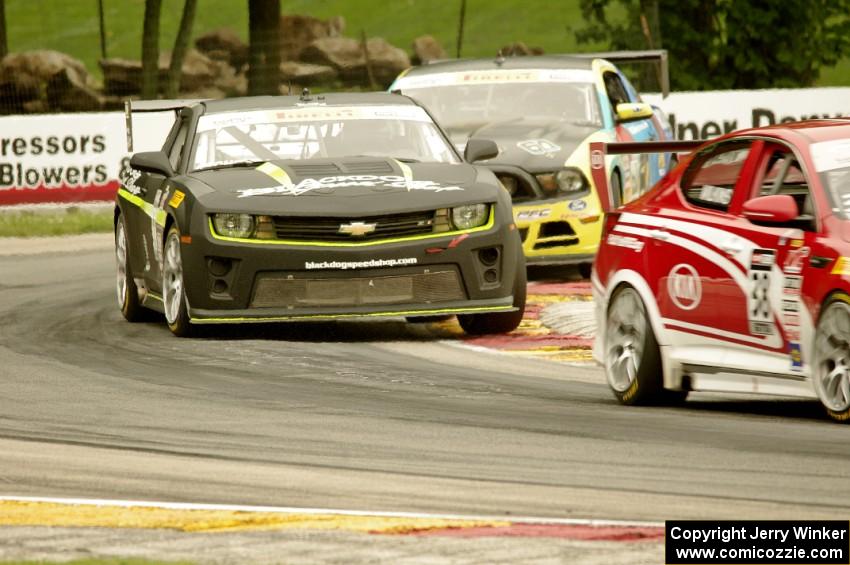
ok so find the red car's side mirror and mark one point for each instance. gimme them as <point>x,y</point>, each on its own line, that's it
<point>773,209</point>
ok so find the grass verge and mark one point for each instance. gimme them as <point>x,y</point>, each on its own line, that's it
<point>69,221</point>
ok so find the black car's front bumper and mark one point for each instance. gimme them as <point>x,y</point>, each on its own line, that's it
<point>239,281</point>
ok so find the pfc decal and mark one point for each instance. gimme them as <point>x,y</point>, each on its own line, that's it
<point>578,205</point>
<point>684,286</point>
<point>539,147</point>
<point>795,259</point>
<point>533,214</point>
<point>626,241</point>
<point>176,199</point>
<point>130,178</point>
<point>758,299</point>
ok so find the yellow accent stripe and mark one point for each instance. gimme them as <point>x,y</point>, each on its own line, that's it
<point>473,310</point>
<point>406,171</point>
<point>16,513</point>
<point>490,222</point>
<point>149,209</point>
<point>276,173</point>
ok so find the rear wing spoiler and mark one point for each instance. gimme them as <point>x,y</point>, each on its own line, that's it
<point>151,106</point>
<point>599,150</point>
<point>658,56</point>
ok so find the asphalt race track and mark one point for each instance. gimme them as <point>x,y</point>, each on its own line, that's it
<point>369,416</point>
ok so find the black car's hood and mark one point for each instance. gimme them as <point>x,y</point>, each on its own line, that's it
<point>348,186</point>
<point>533,144</point>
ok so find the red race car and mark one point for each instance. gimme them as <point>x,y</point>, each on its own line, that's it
<point>733,273</point>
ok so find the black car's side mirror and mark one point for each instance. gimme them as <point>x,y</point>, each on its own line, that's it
<point>152,162</point>
<point>480,149</point>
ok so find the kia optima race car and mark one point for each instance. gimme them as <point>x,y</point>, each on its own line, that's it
<point>543,111</point>
<point>314,208</point>
<point>733,273</point>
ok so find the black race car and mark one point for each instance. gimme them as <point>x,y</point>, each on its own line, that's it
<point>314,208</point>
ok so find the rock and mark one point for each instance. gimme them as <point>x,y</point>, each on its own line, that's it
<point>24,78</point>
<point>66,92</point>
<point>346,56</point>
<point>121,77</point>
<point>306,74</point>
<point>520,49</point>
<point>224,41</point>
<point>232,83</point>
<point>297,32</point>
<point>426,49</point>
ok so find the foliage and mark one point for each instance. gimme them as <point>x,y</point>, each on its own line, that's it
<point>718,44</point>
<point>55,222</point>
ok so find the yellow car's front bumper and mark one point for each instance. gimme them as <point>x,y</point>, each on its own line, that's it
<point>560,232</point>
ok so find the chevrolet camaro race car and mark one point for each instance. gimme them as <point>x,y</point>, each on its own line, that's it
<point>733,274</point>
<point>543,111</point>
<point>314,208</point>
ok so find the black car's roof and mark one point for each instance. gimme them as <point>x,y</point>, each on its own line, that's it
<point>329,99</point>
<point>527,62</point>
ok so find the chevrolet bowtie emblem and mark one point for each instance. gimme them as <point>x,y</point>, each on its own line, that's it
<point>357,229</point>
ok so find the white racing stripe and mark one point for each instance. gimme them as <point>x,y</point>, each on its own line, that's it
<point>324,511</point>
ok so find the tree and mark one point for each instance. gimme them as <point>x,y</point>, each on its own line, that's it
<point>181,45</point>
<point>264,39</point>
<point>728,43</point>
<point>4,45</point>
<point>150,49</point>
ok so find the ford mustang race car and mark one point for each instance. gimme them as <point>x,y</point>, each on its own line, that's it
<point>314,208</point>
<point>733,273</point>
<point>543,112</point>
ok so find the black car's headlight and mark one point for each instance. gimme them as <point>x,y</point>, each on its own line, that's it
<point>234,225</point>
<point>567,181</point>
<point>470,216</point>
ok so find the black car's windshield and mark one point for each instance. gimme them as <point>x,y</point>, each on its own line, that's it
<point>832,161</point>
<point>463,102</point>
<point>402,132</point>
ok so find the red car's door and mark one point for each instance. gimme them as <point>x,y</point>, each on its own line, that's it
<point>695,258</point>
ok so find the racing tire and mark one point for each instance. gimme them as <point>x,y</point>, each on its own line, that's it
<point>174,302</point>
<point>616,189</point>
<point>499,322</point>
<point>126,289</point>
<point>632,355</point>
<point>831,360</point>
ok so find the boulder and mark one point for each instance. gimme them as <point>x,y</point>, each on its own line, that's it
<point>306,74</point>
<point>298,31</point>
<point>66,92</point>
<point>24,78</point>
<point>224,44</point>
<point>121,77</point>
<point>425,49</point>
<point>346,56</point>
<point>520,49</point>
<point>232,83</point>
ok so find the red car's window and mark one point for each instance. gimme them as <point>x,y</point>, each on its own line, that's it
<point>710,179</point>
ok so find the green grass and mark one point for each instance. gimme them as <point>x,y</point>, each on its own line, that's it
<point>54,222</point>
<point>72,25</point>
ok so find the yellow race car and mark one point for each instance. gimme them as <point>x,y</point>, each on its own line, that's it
<point>543,112</point>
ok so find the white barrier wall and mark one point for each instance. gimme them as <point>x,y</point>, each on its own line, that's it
<point>70,157</point>
<point>700,115</point>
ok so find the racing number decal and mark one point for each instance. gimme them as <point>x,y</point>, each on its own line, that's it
<point>758,299</point>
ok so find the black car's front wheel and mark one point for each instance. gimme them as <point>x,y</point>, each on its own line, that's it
<point>499,322</point>
<point>173,289</point>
